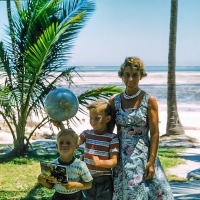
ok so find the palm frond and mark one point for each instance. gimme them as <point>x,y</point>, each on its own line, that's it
<point>57,38</point>
<point>40,36</point>
<point>99,93</point>
<point>5,95</point>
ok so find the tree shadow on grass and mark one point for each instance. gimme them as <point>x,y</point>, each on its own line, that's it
<point>185,190</point>
<point>39,193</point>
<point>26,159</point>
<point>36,155</point>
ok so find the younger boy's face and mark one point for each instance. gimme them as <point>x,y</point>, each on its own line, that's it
<point>98,121</point>
<point>66,145</point>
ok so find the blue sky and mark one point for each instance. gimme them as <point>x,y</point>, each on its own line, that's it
<point>120,28</point>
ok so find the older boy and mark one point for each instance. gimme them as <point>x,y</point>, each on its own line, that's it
<point>101,151</point>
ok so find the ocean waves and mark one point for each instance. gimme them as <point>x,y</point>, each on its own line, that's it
<point>187,86</point>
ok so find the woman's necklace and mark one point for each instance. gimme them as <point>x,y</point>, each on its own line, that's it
<point>132,96</point>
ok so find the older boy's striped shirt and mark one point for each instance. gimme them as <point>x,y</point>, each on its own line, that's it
<point>101,146</point>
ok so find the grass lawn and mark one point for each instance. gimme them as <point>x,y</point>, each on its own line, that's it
<point>18,177</point>
<point>169,158</point>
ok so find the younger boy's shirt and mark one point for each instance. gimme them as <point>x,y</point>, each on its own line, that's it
<point>101,146</point>
<point>77,171</point>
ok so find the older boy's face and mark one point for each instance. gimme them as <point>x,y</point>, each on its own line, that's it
<point>98,121</point>
<point>66,145</point>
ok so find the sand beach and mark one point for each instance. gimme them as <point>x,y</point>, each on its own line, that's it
<point>189,119</point>
<point>187,91</point>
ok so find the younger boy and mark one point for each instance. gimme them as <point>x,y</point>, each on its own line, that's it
<point>79,177</point>
<point>101,151</point>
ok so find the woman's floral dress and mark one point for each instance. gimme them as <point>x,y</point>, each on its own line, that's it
<point>132,130</point>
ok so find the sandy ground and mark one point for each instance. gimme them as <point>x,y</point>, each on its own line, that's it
<point>189,119</point>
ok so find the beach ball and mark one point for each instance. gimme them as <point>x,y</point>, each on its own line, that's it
<point>61,104</point>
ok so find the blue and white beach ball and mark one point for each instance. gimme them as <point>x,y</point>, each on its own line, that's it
<point>61,104</point>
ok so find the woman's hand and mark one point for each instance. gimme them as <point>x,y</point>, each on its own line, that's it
<point>149,172</point>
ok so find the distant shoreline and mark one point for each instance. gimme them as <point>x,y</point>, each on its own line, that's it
<point>148,68</point>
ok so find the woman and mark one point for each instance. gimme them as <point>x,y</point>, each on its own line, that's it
<point>139,174</point>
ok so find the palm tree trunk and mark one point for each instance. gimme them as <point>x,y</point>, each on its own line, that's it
<point>174,125</point>
<point>20,146</point>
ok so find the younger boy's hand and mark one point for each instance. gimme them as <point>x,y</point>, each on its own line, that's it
<point>70,185</point>
<point>41,178</point>
<point>45,182</point>
<point>51,179</point>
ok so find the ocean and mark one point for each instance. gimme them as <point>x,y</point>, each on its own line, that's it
<point>187,83</point>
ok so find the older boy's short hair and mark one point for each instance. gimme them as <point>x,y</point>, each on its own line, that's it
<point>70,132</point>
<point>101,106</point>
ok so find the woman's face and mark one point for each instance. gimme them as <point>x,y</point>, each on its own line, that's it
<point>131,77</point>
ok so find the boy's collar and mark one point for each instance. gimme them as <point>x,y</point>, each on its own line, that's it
<point>64,163</point>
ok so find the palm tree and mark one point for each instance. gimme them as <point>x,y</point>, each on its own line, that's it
<point>41,34</point>
<point>174,125</point>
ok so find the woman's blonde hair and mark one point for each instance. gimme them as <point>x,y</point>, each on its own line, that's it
<point>134,63</point>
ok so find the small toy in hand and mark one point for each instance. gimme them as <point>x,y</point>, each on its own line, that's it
<point>59,172</point>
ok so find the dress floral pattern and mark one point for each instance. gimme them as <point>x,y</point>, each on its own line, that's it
<point>129,184</point>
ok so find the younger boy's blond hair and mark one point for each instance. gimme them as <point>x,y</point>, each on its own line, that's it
<point>70,132</point>
<point>101,106</point>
